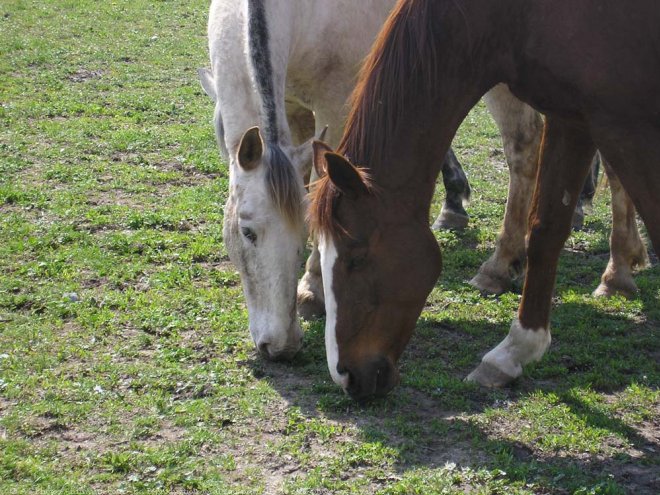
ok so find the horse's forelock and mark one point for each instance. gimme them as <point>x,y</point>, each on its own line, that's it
<point>283,187</point>
<point>323,196</point>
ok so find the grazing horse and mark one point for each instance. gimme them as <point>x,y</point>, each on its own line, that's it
<point>591,67</point>
<point>270,67</point>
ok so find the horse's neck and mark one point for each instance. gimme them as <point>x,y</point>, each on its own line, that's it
<point>471,58</point>
<point>237,107</point>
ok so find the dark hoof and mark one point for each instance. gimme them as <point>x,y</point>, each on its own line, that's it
<point>450,220</point>
<point>578,220</point>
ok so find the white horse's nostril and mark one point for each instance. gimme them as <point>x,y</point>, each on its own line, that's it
<point>264,349</point>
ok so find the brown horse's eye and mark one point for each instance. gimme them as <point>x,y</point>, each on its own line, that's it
<point>357,262</point>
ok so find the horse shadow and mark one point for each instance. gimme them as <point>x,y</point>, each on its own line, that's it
<point>435,420</point>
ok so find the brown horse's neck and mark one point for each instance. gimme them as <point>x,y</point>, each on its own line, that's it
<point>394,128</point>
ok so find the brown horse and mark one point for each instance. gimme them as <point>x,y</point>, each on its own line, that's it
<point>591,66</point>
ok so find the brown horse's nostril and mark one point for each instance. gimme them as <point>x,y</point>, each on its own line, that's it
<point>344,371</point>
<point>374,378</point>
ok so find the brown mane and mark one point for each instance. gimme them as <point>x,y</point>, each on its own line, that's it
<point>402,62</point>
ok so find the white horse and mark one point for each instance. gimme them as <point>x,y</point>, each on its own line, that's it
<point>283,70</point>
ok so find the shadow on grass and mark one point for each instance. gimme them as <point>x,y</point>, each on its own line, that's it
<point>435,418</point>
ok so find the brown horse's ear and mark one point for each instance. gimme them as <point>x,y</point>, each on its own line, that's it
<point>345,176</point>
<point>320,149</point>
<point>251,149</point>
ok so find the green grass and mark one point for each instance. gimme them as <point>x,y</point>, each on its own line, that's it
<point>125,361</point>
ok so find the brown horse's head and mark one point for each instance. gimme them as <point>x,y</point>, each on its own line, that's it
<point>379,263</point>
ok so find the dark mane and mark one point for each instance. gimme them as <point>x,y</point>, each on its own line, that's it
<point>402,62</point>
<point>282,185</point>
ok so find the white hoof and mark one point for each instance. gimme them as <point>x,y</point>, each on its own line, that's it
<point>310,300</point>
<point>504,363</point>
<point>489,376</point>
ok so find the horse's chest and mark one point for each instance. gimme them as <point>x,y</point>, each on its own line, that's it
<point>547,94</point>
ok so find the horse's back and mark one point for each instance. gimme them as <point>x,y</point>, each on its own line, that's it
<point>590,56</point>
<point>332,39</point>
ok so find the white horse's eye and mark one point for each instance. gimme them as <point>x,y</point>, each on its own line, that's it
<point>249,234</point>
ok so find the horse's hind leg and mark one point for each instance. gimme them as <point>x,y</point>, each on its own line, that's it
<point>627,249</point>
<point>634,154</point>
<point>587,194</point>
<point>565,158</point>
<point>457,192</point>
<point>521,128</point>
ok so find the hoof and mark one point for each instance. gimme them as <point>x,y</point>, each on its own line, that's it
<point>490,285</point>
<point>578,219</point>
<point>489,376</point>
<point>627,290</point>
<point>450,220</point>
<point>640,261</point>
<point>310,300</point>
<point>310,307</point>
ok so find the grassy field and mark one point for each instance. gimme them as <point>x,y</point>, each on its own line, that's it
<point>125,361</point>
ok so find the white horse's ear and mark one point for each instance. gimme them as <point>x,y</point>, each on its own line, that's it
<point>319,151</point>
<point>345,176</point>
<point>251,149</point>
<point>208,83</point>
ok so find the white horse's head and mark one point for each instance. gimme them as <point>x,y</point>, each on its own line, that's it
<point>264,231</point>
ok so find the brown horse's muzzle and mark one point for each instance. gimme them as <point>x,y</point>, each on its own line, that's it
<point>372,378</point>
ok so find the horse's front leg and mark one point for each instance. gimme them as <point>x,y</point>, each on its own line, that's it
<point>521,127</point>
<point>311,301</point>
<point>566,154</point>
<point>627,249</point>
